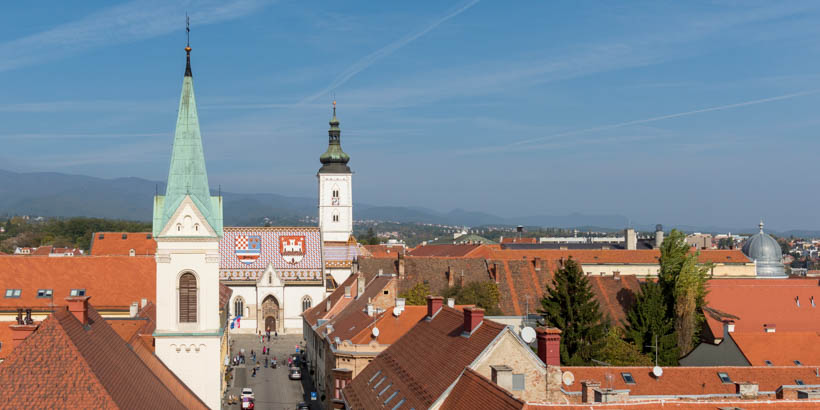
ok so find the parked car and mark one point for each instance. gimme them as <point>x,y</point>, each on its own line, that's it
<point>303,406</point>
<point>247,392</point>
<point>247,403</point>
<point>295,373</point>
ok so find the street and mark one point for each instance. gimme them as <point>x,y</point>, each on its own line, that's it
<point>271,387</point>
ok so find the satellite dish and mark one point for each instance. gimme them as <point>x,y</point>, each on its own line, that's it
<point>568,378</point>
<point>657,371</point>
<point>528,334</point>
<point>375,332</point>
<point>396,311</point>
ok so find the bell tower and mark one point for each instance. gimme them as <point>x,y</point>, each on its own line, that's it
<point>187,226</point>
<point>335,188</point>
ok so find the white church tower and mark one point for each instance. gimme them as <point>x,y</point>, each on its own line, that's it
<point>187,228</point>
<point>335,188</point>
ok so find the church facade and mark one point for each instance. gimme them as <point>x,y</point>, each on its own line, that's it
<point>274,273</point>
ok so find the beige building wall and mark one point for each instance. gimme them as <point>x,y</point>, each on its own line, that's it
<point>510,352</point>
<point>651,270</point>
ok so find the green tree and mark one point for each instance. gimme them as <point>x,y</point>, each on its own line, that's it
<point>570,306</point>
<point>618,352</point>
<point>683,283</point>
<point>482,294</point>
<point>417,295</point>
<point>647,319</point>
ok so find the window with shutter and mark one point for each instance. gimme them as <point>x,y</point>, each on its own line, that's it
<point>187,298</point>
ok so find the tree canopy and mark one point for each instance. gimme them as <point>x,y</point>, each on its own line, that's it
<point>482,294</point>
<point>570,306</point>
<point>417,295</point>
<point>649,318</point>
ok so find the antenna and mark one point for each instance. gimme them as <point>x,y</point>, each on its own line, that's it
<point>655,346</point>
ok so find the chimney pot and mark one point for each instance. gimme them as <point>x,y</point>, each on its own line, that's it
<point>78,306</point>
<point>472,318</point>
<point>135,308</point>
<point>728,326</point>
<point>144,303</point>
<point>433,305</point>
<point>549,345</point>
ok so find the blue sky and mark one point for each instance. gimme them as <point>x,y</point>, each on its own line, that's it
<point>699,113</point>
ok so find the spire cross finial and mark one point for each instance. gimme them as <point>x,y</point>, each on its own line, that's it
<point>761,225</point>
<point>188,29</point>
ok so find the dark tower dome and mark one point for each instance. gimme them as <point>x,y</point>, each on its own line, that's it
<point>334,160</point>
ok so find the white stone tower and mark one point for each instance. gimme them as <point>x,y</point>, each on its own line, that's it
<point>187,227</point>
<point>335,188</point>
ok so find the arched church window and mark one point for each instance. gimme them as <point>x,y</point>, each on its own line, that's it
<point>306,303</point>
<point>335,217</point>
<point>187,298</point>
<point>179,227</point>
<point>196,227</point>
<point>238,307</point>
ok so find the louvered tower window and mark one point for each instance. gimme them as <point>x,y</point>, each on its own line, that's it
<point>187,298</point>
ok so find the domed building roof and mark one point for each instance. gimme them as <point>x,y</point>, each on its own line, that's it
<point>766,254</point>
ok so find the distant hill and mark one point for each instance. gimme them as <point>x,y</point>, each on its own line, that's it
<point>63,195</point>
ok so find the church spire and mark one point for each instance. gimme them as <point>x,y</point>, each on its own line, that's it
<point>334,160</point>
<point>187,175</point>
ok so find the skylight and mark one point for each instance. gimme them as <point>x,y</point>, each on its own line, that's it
<point>398,404</point>
<point>628,379</point>
<point>374,377</point>
<point>77,292</point>
<point>799,382</point>
<point>391,397</point>
<point>13,293</point>
<point>385,389</point>
<point>724,377</point>
<point>798,363</point>
<point>768,362</point>
<point>44,293</point>
<point>380,382</point>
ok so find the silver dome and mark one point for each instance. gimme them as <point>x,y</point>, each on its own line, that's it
<point>766,254</point>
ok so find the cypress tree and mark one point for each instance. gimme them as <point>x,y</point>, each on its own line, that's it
<point>648,318</point>
<point>570,306</point>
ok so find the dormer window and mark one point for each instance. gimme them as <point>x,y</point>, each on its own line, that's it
<point>132,252</point>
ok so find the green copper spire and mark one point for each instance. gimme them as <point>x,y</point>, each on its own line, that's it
<point>187,176</point>
<point>334,160</point>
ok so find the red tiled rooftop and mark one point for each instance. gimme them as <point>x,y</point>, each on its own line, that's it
<point>519,240</point>
<point>616,256</point>
<point>444,250</point>
<point>473,391</point>
<point>690,380</point>
<point>113,281</point>
<point>780,348</point>
<point>424,363</point>
<point>64,364</point>
<point>112,243</point>
<point>384,251</point>
<point>765,301</point>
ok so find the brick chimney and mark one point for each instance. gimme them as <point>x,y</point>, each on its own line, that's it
<point>549,345</point>
<point>360,285</point>
<point>472,318</point>
<point>450,277</point>
<point>495,272</point>
<point>401,265</point>
<point>78,306</point>
<point>434,305</point>
<point>537,263</point>
<point>20,332</point>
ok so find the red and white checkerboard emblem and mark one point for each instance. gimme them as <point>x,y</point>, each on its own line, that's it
<point>292,248</point>
<point>248,248</point>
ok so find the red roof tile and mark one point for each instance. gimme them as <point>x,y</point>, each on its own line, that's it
<point>519,240</point>
<point>422,364</point>
<point>615,296</point>
<point>685,405</point>
<point>443,250</point>
<point>113,243</point>
<point>475,391</point>
<point>64,364</point>
<point>384,251</point>
<point>690,380</point>
<point>764,301</point>
<point>780,348</point>
<point>337,302</point>
<point>113,281</point>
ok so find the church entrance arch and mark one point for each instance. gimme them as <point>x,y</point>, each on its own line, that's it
<point>270,311</point>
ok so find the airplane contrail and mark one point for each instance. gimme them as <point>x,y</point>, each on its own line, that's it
<point>377,55</point>
<point>668,116</point>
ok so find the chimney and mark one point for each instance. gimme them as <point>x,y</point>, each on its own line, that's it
<point>370,309</point>
<point>502,376</point>
<point>451,302</point>
<point>630,239</point>
<point>354,268</point>
<point>769,328</point>
<point>401,266</point>
<point>327,305</point>
<point>747,390</point>
<point>450,277</point>
<point>537,263</point>
<point>143,303</point>
<point>360,286</point>
<point>658,236</point>
<point>549,345</point>
<point>135,309</point>
<point>347,292</point>
<point>616,275</point>
<point>78,306</point>
<point>588,388</point>
<point>400,303</point>
<point>472,318</point>
<point>381,272</point>
<point>20,332</point>
<point>433,305</point>
<point>728,327</point>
